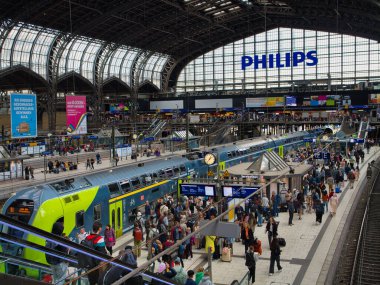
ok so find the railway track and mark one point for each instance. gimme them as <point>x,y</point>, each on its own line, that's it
<point>360,255</point>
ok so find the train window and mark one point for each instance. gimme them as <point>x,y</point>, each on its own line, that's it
<point>229,154</point>
<point>176,170</point>
<point>97,212</point>
<point>147,179</point>
<point>114,188</point>
<point>118,219</point>
<point>169,172</point>
<point>182,168</point>
<point>161,173</point>
<point>125,186</point>
<point>135,182</point>
<point>79,219</point>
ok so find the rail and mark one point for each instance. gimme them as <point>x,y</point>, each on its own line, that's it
<point>359,253</point>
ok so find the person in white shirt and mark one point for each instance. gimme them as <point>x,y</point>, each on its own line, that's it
<point>82,235</point>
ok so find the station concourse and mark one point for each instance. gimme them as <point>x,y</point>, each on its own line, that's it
<point>189,142</point>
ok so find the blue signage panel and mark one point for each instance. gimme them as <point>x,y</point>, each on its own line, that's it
<point>197,190</point>
<point>322,155</point>
<point>238,191</point>
<point>23,115</point>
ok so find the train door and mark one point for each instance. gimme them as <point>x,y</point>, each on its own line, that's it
<point>116,217</point>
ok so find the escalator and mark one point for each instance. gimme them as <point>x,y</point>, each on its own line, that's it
<point>13,265</point>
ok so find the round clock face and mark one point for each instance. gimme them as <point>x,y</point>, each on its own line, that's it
<point>210,159</point>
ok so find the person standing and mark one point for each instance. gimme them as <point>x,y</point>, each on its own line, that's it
<point>289,201</point>
<point>137,238</point>
<point>319,210</point>
<point>81,235</point>
<point>116,158</point>
<point>147,210</point>
<point>250,262</point>
<point>271,229</point>
<point>92,161</point>
<point>206,280</point>
<point>334,202</point>
<point>26,173</point>
<point>275,253</point>
<point>98,158</point>
<point>109,238</point>
<point>301,201</point>
<point>351,178</point>
<point>199,275</point>
<point>31,172</point>
<point>99,245</point>
<point>58,266</point>
<point>190,278</point>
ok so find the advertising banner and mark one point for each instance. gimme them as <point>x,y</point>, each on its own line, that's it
<point>23,115</point>
<point>76,116</point>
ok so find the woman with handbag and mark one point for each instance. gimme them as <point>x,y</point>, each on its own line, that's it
<point>109,238</point>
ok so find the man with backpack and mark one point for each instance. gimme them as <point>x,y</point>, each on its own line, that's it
<point>94,241</point>
<point>58,265</point>
<point>180,277</point>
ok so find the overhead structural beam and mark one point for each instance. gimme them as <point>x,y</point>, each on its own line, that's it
<point>196,14</point>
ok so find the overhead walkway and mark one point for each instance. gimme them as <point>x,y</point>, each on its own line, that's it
<point>13,244</point>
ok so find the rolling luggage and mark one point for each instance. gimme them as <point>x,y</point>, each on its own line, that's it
<point>226,254</point>
<point>281,242</point>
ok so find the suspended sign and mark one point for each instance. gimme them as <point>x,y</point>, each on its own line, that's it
<point>76,116</point>
<point>197,190</point>
<point>238,191</point>
<point>23,115</point>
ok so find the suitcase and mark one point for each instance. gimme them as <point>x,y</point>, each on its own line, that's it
<point>226,254</point>
<point>281,242</point>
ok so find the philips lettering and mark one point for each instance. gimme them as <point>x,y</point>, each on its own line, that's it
<point>278,60</point>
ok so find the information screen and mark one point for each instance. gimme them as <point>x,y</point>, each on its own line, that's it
<point>197,190</point>
<point>291,101</point>
<point>237,191</point>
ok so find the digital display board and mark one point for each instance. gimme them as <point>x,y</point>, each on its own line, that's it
<point>237,191</point>
<point>197,190</point>
<point>291,101</point>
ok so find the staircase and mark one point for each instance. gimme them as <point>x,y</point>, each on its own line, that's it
<point>362,134</point>
<point>4,153</point>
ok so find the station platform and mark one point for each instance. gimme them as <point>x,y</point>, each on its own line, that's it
<point>7,187</point>
<point>309,247</point>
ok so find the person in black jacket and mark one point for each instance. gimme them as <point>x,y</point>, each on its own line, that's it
<point>271,229</point>
<point>246,235</point>
<point>250,262</point>
<point>275,253</point>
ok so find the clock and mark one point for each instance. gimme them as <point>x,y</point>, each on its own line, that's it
<point>210,159</point>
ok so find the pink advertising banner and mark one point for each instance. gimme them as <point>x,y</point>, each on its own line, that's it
<point>76,116</point>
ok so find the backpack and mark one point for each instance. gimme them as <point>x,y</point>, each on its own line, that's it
<point>85,261</point>
<point>53,260</point>
<point>181,250</point>
<point>137,234</point>
<point>180,277</point>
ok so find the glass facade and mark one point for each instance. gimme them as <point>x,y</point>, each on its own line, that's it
<point>31,46</point>
<point>347,59</point>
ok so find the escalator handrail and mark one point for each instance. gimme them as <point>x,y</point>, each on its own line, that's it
<point>75,246</point>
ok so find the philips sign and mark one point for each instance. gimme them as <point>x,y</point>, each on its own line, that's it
<point>279,61</point>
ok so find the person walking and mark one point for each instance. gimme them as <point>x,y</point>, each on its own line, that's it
<point>26,171</point>
<point>275,253</point>
<point>319,210</point>
<point>147,210</point>
<point>92,161</point>
<point>250,262</point>
<point>271,229</point>
<point>246,235</point>
<point>301,201</point>
<point>351,179</point>
<point>109,238</point>
<point>334,202</point>
<point>88,164</point>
